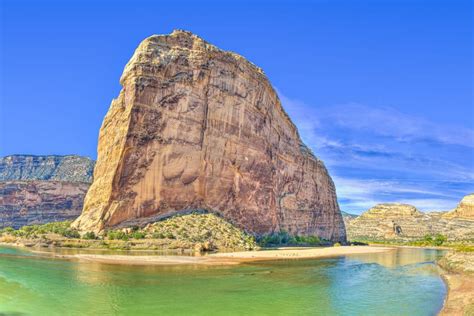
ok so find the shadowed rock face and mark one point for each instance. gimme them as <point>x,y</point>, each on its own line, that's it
<point>42,189</point>
<point>195,127</point>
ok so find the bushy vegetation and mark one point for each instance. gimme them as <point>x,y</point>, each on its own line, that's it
<point>284,239</point>
<point>464,248</point>
<point>34,231</point>
<point>89,236</point>
<point>201,228</point>
<point>117,235</point>
<point>437,240</point>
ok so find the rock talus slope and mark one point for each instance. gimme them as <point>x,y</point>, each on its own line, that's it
<point>195,127</point>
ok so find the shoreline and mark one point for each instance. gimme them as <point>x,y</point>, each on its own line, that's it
<point>230,258</point>
<point>457,274</point>
<point>459,295</point>
<point>222,258</point>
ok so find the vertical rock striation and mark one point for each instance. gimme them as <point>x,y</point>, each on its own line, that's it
<point>195,127</point>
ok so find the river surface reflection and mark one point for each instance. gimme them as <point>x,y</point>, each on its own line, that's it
<point>400,282</point>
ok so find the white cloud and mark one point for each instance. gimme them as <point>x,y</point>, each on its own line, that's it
<point>384,121</point>
<point>360,143</point>
<point>358,195</point>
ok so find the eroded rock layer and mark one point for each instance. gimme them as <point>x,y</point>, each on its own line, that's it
<point>465,209</point>
<point>195,127</point>
<point>38,202</point>
<point>42,189</point>
<point>404,222</point>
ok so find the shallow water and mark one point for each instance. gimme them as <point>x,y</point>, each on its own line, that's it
<point>402,282</point>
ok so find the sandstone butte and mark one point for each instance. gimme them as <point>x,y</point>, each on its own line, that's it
<point>465,208</point>
<point>196,127</point>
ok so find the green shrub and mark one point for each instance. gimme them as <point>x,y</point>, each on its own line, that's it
<point>7,230</point>
<point>283,238</point>
<point>439,240</point>
<point>428,239</point>
<point>337,245</point>
<point>71,233</point>
<point>89,235</point>
<point>117,235</point>
<point>138,235</point>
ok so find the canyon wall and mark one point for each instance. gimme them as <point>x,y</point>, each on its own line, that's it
<point>42,189</point>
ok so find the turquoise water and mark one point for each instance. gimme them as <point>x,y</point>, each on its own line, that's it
<point>403,282</point>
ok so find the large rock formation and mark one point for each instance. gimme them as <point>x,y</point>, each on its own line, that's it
<point>465,209</point>
<point>195,127</point>
<point>42,189</point>
<point>395,221</point>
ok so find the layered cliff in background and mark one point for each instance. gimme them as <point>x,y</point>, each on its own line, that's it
<point>55,168</point>
<point>404,222</point>
<point>42,189</point>
<point>195,127</point>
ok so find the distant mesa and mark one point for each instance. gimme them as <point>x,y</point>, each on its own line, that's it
<point>42,189</point>
<point>196,127</point>
<point>70,168</point>
<point>392,211</point>
<point>394,221</point>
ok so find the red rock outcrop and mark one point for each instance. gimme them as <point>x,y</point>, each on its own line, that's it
<point>195,127</point>
<point>38,202</point>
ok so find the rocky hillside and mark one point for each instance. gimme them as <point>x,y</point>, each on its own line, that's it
<point>404,222</point>
<point>42,189</point>
<point>195,127</point>
<point>56,168</point>
<point>465,209</point>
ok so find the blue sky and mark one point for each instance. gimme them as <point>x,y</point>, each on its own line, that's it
<point>381,90</point>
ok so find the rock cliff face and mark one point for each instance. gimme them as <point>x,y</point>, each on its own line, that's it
<point>42,189</point>
<point>195,127</point>
<point>465,209</point>
<point>57,168</point>
<point>38,202</point>
<point>405,222</point>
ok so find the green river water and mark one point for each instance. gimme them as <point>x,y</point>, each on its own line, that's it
<point>402,282</point>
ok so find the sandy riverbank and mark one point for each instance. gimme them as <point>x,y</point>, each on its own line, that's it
<point>460,298</point>
<point>458,273</point>
<point>228,258</point>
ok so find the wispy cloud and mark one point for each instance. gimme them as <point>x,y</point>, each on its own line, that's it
<point>378,154</point>
<point>357,195</point>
